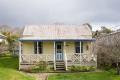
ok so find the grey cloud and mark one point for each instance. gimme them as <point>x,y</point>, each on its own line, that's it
<point>21,12</point>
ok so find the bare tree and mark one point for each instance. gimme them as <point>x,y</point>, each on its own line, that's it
<point>108,50</point>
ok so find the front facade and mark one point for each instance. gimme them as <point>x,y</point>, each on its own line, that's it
<point>57,44</point>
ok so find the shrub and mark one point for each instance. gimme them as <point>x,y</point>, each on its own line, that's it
<point>92,68</point>
<point>82,68</point>
<point>105,66</point>
<point>41,66</point>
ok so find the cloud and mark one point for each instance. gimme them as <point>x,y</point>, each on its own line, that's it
<point>22,12</point>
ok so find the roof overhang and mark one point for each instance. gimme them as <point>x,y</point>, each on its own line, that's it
<point>93,39</point>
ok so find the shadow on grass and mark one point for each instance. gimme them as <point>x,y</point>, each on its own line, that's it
<point>9,62</point>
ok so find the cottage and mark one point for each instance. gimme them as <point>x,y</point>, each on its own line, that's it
<point>60,45</point>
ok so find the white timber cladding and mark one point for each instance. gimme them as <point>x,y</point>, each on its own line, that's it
<point>49,32</point>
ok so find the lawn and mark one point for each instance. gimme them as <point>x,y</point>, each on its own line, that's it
<point>9,69</point>
<point>104,75</point>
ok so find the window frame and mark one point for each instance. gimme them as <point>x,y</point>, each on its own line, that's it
<point>79,46</point>
<point>38,47</point>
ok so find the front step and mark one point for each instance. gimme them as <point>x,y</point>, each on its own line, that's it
<point>60,65</point>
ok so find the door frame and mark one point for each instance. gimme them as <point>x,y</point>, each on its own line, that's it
<point>60,56</point>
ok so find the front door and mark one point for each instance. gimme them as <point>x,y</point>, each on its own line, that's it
<point>59,51</point>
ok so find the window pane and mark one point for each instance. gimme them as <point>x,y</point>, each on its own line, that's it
<point>40,50</point>
<point>39,44</point>
<point>77,47</point>
<point>35,47</point>
<point>40,47</point>
<point>59,46</point>
<point>77,44</point>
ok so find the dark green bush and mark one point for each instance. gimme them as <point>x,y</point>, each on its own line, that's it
<point>82,68</point>
<point>105,66</point>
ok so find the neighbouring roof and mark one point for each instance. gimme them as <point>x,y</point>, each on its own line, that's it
<point>56,32</point>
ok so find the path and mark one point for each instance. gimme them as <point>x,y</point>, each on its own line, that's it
<point>40,76</point>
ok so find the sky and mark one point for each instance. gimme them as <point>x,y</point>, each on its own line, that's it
<point>28,12</point>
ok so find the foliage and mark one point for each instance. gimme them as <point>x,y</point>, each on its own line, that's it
<point>9,69</point>
<point>11,39</point>
<point>42,66</point>
<point>82,68</point>
<point>101,75</point>
<point>104,30</point>
<point>3,49</point>
<point>105,66</point>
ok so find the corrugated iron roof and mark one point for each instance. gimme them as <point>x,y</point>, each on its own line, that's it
<point>50,32</point>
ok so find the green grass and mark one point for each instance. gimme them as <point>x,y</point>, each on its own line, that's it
<point>104,75</point>
<point>9,69</point>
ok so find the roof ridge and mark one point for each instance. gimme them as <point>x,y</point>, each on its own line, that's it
<point>54,24</point>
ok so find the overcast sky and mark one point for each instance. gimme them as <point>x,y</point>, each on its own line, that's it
<point>24,12</point>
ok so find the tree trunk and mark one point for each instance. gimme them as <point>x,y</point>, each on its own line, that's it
<point>118,69</point>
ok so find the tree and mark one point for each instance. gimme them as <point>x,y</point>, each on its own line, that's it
<point>96,34</point>
<point>105,30</point>
<point>3,47</point>
<point>108,50</point>
<point>11,39</point>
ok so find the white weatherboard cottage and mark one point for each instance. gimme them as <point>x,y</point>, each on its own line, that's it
<point>58,44</point>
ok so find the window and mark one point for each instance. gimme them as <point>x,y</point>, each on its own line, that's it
<point>77,47</point>
<point>39,47</point>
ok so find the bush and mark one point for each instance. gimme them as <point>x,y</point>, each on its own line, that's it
<point>41,66</point>
<point>92,68</point>
<point>106,66</point>
<point>82,68</point>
